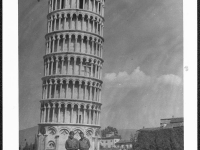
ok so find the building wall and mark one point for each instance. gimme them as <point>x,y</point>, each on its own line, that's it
<point>56,136</point>
<point>121,146</point>
<point>108,143</point>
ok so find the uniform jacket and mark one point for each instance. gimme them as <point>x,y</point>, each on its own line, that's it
<point>84,144</point>
<point>72,144</point>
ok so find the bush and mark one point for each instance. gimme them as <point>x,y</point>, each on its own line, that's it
<point>160,139</point>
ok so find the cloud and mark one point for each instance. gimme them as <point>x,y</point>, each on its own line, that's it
<point>123,79</point>
<point>170,79</point>
<point>138,78</point>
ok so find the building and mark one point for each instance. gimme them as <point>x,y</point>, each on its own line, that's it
<point>171,122</point>
<point>109,141</point>
<point>124,144</point>
<point>72,82</point>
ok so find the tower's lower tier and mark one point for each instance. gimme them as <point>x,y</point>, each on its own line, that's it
<point>53,137</point>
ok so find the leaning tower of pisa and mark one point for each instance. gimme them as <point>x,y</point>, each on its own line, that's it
<point>72,81</point>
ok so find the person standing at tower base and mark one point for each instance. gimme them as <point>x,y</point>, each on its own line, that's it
<point>71,143</point>
<point>84,143</point>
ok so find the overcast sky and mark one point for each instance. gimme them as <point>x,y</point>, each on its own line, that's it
<point>143,53</point>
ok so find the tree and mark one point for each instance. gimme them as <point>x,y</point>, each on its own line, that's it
<point>109,130</point>
<point>132,137</point>
<point>35,143</point>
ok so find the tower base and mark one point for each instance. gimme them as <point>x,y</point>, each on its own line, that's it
<point>53,137</point>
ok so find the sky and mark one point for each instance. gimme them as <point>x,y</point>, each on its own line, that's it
<point>143,68</point>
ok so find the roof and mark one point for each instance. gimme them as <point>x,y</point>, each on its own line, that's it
<point>123,142</point>
<point>180,119</point>
<point>149,129</point>
<point>112,137</point>
<point>175,120</point>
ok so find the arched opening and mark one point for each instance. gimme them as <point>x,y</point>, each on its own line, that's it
<point>63,4</point>
<point>51,145</point>
<point>69,95</point>
<point>62,22</point>
<point>62,113</point>
<point>76,86</point>
<point>80,4</point>
<point>56,113</point>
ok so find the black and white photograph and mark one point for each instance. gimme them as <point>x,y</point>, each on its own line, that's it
<point>102,75</point>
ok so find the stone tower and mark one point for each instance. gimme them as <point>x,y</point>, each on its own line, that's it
<point>72,82</point>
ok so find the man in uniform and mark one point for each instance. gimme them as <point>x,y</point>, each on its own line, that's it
<point>71,143</point>
<point>84,143</point>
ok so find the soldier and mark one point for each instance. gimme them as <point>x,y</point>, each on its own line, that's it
<point>84,143</point>
<point>71,143</point>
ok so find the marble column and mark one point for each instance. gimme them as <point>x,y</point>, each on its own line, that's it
<point>71,17</point>
<point>59,22</point>
<point>60,4</point>
<point>90,98</point>
<point>89,118</point>
<point>69,43</point>
<point>52,2</point>
<point>83,4</point>
<point>79,90</point>
<point>56,5</point>
<point>48,70</point>
<point>84,115</point>
<point>75,47</point>
<point>76,24</point>
<point>57,65</point>
<point>55,88</point>
<point>74,68</point>
<point>82,38</point>
<point>61,89</point>
<point>58,43</point>
<point>92,68</point>
<point>73,89</point>
<point>46,90</point>
<point>72,112</point>
<point>45,141</point>
<point>67,84</point>
<point>49,109</point>
<point>99,117</point>
<point>97,7</point>
<point>94,99</point>
<point>57,142</point>
<point>55,22</point>
<point>53,113</point>
<point>45,68</point>
<point>41,115</point>
<point>68,62</point>
<point>49,45</point>
<point>44,114</point>
<point>52,66</point>
<point>59,107</point>
<point>78,114</point>
<point>81,64</point>
<point>62,65</point>
<point>93,26</point>
<point>65,113</point>
<point>63,48</point>
<point>50,89</point>
<point>39,143</point>
<point>85,91</point>
<point>92,49</point>
<point>65,21</point>
<point>82,23</point>
<point>53,46</point>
